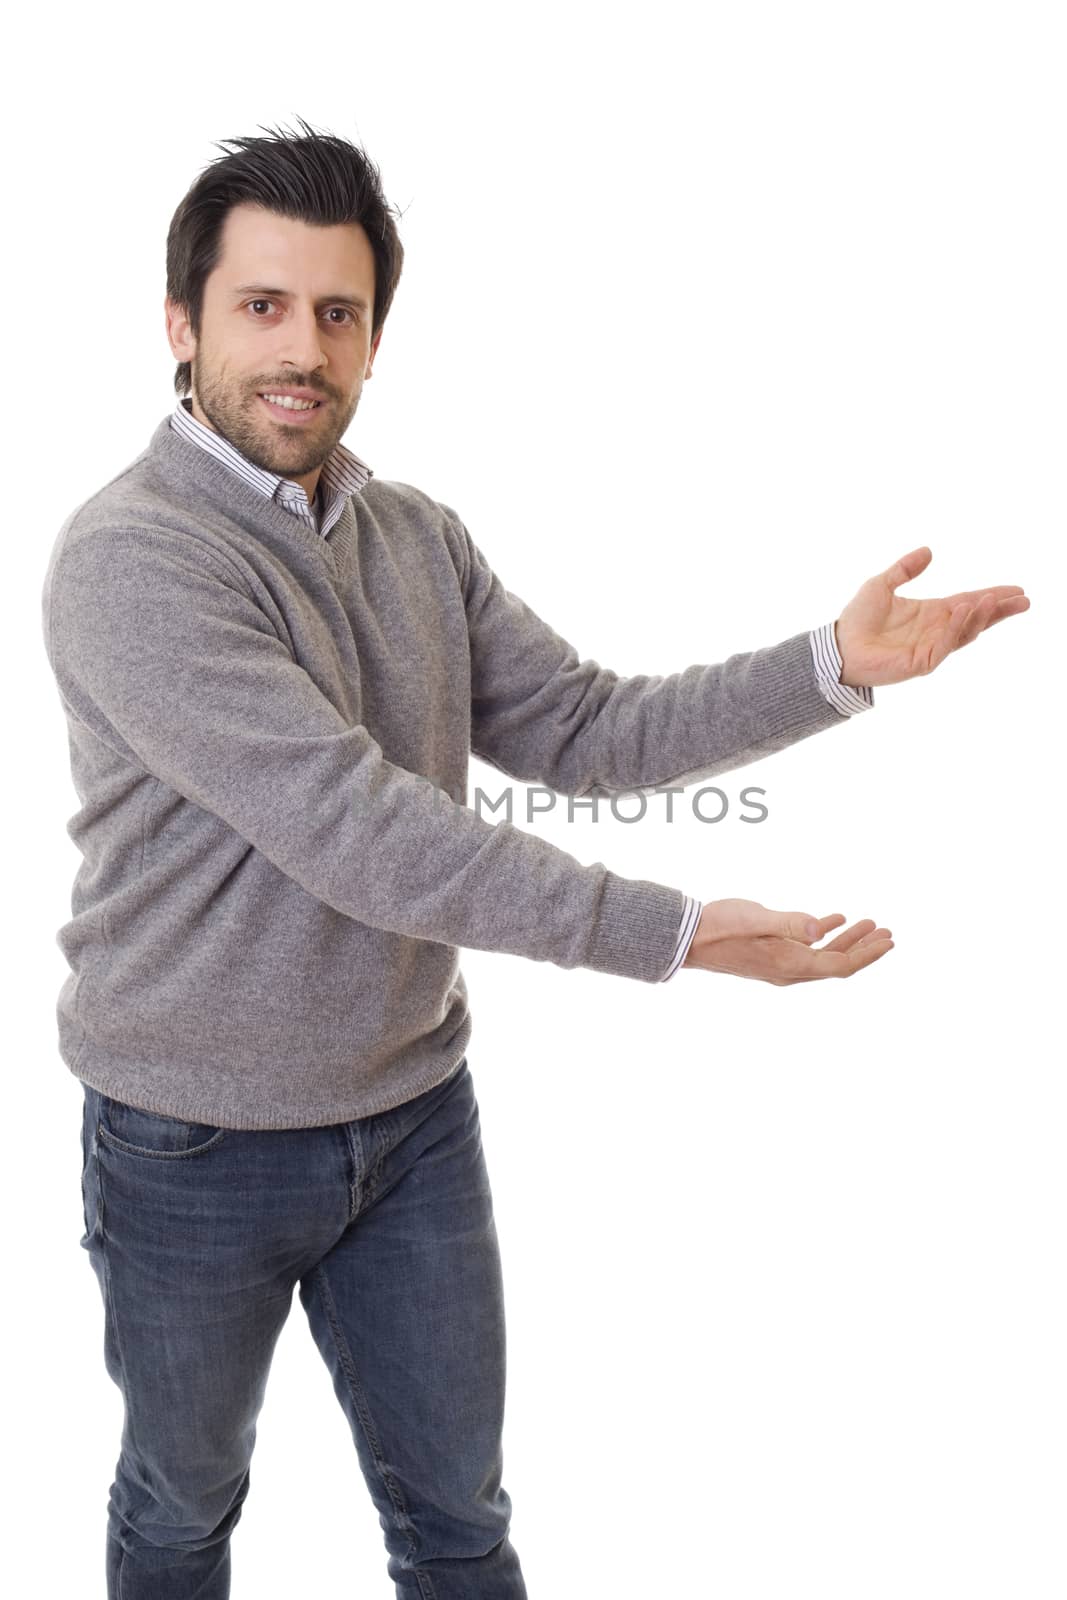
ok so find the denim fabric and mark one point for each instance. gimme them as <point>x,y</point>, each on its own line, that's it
<point>198,1234</point>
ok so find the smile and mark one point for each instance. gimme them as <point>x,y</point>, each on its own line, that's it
<point>293,413</point>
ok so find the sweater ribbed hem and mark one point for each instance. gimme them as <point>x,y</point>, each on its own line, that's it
<point>241,1108</point>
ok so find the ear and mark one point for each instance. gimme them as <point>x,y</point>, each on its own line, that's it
<point>179,332</point>
<point>373,352</point>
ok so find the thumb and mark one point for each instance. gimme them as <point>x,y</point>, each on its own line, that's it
<point>908,567</point>
<point>798,925</point>
<point>732,918</point>
<point>790,925</point>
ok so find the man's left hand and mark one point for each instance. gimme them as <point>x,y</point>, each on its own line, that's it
<point>885,638</point>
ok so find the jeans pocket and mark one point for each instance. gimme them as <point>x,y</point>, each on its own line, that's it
<point>149,1133</point>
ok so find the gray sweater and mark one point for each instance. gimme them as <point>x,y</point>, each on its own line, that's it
<point>269,735</point>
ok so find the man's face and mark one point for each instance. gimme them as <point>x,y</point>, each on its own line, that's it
<point>288,306</point>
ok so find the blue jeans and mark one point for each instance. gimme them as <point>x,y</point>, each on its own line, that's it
<point>197,1235</point>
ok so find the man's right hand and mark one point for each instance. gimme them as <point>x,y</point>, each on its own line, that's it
<point>747,940</point>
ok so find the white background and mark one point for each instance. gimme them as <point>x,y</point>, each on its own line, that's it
<point>709,314</point>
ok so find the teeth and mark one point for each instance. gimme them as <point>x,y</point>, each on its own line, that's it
<point>289,403</point>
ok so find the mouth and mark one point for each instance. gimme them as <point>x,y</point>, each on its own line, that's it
<point>297,416</point>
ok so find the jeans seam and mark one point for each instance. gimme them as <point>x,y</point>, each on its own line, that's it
<point>359,1400</point>
<point>383,1143</point>
<point>114,1325</point>
<point>113,1140</point>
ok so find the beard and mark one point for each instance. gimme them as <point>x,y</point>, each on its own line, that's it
<point>235,411</point>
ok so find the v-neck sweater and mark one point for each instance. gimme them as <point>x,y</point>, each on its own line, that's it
<point>270,729</point>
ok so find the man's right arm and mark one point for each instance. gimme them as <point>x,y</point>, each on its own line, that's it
<point>160,652</point>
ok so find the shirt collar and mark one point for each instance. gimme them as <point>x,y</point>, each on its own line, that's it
<point>343,472</point>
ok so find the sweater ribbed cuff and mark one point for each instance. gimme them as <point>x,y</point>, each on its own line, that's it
<point>636,931</point>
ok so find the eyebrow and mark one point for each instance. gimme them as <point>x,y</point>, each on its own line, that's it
<point>324,300</point>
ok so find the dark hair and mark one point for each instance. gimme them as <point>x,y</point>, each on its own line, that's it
<point>311,177</point>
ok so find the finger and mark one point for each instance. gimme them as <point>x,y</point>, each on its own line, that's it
<point>908,567</point>
<point>867,953</point>
<point>862,934</point>
<point>986,614</point>
<point>1008,608</point>
<point>968,619</point>
<point>951,638</point>
<point>851,936</point>
<point>978,621</point>
<point>1001,591</point>
<point>843,963</point>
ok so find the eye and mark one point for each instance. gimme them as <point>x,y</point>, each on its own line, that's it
<point>261,301</point>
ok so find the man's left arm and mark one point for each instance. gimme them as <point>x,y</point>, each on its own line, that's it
<point>541,714</point>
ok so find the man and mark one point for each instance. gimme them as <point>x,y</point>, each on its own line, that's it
<point>275,667</point>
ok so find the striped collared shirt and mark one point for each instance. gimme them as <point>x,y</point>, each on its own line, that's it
<point>344,474</point>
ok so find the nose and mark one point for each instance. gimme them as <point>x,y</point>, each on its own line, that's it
<point>301,342</point>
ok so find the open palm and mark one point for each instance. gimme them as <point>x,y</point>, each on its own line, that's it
<point>885,637</point>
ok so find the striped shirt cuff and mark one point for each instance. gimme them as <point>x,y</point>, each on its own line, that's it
<point>827,661</point>
<point>687,928</point>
